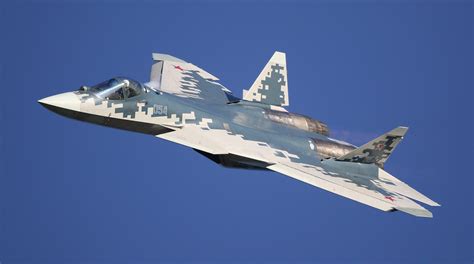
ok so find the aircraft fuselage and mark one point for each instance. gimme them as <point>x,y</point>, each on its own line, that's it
<point>154,112</point>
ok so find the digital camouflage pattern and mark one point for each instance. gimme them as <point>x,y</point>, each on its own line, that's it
<point>184,104</point>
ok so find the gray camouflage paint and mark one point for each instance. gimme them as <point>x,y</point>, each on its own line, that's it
<point>206,104</point>
<point>250,120</point>
<point>379,151</point>
<point>271,87</point>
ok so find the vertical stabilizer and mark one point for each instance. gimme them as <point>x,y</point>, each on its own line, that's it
<point>378,150</point>
<point>271,86</point>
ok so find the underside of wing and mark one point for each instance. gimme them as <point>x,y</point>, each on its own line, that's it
<point>178,77</point>
<point>363,183</point>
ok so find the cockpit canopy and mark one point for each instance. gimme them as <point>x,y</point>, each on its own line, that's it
<point>118,88</point>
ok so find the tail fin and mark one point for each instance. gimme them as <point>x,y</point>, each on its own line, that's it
<point>271,86</point>
<point>157,68</point>
<point>378,150</point>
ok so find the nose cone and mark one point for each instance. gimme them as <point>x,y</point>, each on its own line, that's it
<point>64,101</point>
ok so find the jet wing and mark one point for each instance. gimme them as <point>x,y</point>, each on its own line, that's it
<point>183,79</point>
<point>382,193</point>
<point>364,183</point>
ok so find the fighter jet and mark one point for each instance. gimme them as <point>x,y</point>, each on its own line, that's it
<point>185,104</point>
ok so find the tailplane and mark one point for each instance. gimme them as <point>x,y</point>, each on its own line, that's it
<point>378,150</point>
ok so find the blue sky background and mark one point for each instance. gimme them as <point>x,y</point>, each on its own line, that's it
<point>75,192</point>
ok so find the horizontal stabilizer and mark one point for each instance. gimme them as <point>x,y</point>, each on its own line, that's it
<point>378,150</point>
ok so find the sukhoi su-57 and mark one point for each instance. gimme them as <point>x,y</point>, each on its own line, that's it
<point>185,104</point>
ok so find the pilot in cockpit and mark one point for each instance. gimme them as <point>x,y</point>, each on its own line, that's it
<point>117,88</point>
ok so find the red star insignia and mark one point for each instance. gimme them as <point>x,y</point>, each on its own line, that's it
<point>389,198</point>
<point>178,67</point>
